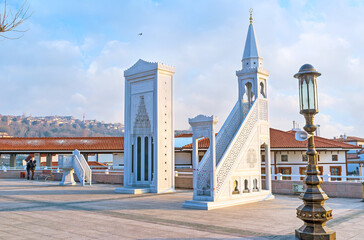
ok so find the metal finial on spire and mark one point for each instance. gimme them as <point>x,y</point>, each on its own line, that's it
<point>251,16</point>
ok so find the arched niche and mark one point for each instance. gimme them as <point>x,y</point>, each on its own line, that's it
<point>262,89</point>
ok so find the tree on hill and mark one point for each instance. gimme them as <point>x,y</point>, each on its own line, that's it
<point>10,22</point>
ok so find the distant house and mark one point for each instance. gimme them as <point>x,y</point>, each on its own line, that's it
<point>355,156</point>
<point>357,141</point>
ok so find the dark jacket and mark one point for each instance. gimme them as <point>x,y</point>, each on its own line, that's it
<point>30,165</point>
<point>34,164</point>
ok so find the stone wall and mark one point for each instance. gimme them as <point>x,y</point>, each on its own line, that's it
<point>12,174</point>
<point>111,178</point>
<point>184,181</point>
<point>332,189</point>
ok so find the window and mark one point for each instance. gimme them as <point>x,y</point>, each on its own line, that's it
<point>132,158</point>
<point>304,158</point>
<point>284,158</point>
<point>285,171</point>
<point>334,158</point>
<point>335,171</point>
<point>152,157</point>
<point>302,171</point>
<point>146,173</point>
<point>262,170</point>
<point>263,158</point>
<point>139,159</point>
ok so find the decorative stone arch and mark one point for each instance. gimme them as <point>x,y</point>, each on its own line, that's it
<point>246,186</point>
<point>236,187</point>
<point>263,88</point>
<point>248,91</point>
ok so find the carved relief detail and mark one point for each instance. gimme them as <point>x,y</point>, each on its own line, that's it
<point>142,121</point>
<point>228,162</point>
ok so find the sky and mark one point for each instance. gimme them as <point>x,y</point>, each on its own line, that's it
<point>71,59</point>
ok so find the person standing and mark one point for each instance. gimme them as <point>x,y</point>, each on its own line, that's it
<point>34,164</point>
<point>29,167</point>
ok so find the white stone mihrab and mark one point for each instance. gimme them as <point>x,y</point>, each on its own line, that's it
<point>149,129</point>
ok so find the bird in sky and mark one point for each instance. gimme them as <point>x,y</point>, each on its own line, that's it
<point>140,34</point>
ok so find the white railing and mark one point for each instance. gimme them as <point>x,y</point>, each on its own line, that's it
<point>80,171</point>
<point>107,170</point>
<point>86,167</point>
<point>325,177</point>
<point>227,132</point>
<point>17,168</point>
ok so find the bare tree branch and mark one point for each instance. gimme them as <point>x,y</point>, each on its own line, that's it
<point>9,21</point>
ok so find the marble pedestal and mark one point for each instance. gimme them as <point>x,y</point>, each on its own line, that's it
<point>249,198</point>
<point>67,178</point>
<point>130,190</point>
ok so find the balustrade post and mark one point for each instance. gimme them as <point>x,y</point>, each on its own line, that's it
<point>268,168</point>
<point>13,160</point>
<point>325,177</point>
<point>195,164</point>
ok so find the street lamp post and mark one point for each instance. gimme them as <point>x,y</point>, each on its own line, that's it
<point>312,211</point>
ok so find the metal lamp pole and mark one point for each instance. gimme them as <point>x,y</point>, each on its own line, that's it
<point>312,212</point>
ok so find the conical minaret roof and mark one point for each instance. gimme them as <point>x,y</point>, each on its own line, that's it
<point>251,49</point>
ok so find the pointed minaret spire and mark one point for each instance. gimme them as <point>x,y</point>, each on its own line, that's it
<point>251,56</point>
<point>251,16</point>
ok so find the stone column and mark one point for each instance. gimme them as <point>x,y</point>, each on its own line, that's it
<point>195,164</point>
<point>49,160</point>
<point>268,167</point>
<point>13,160</point>
<point>150,167</point>
<point>37,158</point>
<point>213,170</point>
<point>142,157</point>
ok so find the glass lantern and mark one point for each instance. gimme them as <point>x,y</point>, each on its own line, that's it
<point>307,89</point>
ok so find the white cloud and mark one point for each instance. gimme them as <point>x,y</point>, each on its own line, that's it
<point>78,98</point>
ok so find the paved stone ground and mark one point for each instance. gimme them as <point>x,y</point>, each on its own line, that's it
<point>44,210</point>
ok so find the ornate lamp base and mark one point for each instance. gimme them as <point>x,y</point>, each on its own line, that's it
<point>308,233</point>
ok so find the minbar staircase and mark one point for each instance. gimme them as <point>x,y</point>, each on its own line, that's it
<point>75,163</point>
<point>237,176</point>
<point>82,169</point>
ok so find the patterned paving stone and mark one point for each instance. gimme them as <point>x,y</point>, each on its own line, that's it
<point>44,210</point>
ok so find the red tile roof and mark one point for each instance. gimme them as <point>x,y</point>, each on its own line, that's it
<point>184,135</point>
<point>92,163</point>
<point>349,139</point>
<point>62,144</point>
<point>281,139</point>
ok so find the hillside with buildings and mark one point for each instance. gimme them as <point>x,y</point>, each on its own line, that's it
<point>56,126</point>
